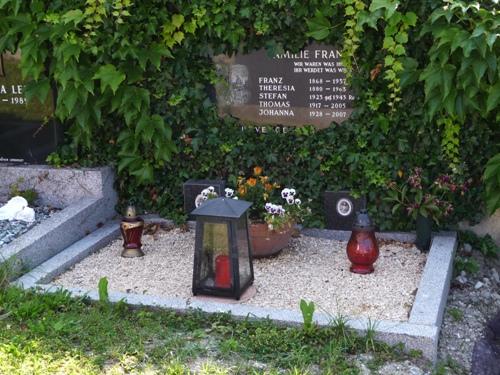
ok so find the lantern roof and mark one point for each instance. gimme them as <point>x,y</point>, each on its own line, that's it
<point>222,207</point>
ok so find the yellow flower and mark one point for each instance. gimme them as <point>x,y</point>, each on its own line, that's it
<point>251,181</point>
<point>400,173</point>
<point>242,191</point>
<point>257,171</point>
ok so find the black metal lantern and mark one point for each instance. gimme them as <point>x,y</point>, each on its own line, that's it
<point>222,255</point>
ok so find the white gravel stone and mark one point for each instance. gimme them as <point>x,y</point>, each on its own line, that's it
<point>311,268</point>
<point>478,285</point>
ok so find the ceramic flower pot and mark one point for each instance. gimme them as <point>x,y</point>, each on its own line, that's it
<point>424,233</point>
<point>267,242</point>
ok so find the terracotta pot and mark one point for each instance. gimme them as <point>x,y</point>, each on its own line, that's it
<point>267,242</point>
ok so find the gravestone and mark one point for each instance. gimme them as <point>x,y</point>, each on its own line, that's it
<point>27,131</point>
<point>305,88</point>
<point>341,208</point>
<point>192,188</point>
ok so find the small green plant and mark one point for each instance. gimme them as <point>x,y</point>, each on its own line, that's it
<point>103,290</point>
<point>29,194</point>
<point>486,245</point>
<point>6,273</point>
<point>370,335</point>
<point>456,314</point>
<point>468,265</point>
<point>307,310</point>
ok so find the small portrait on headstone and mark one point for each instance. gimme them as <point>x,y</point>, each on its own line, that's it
<point>344,207</point>
<point>238,79</point>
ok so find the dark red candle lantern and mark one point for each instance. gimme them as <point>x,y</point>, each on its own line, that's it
<point>131,228</point>
<point>362,248</point>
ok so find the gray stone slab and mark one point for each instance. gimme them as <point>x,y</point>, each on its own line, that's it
<point>430,301</point>
<point>420,332</point>
<point>58,187</point>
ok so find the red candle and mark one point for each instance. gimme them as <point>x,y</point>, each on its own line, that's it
<point>222,271</point>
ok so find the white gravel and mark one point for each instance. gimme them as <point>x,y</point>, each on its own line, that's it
<point>311,268</point>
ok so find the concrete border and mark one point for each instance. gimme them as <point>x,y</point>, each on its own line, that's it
<point>420,332</point>
<point>87,199</point>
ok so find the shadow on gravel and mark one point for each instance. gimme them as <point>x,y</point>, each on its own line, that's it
<point>486,352</point>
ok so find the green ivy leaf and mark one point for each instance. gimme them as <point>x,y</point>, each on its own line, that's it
<point>177,20</point>
<point>493,100</point>
<point>109,77</point>
<point>390,6</point>
<point>76,16</point>
<point>319,26</point>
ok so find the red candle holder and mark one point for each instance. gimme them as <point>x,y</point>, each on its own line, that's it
<point>131,228</point>
<point>362,248</point>
<point>222,271</point>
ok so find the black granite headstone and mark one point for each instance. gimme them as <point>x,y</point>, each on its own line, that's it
<point>28,132</point>
<point>192,188</point>
<point>341,208</point>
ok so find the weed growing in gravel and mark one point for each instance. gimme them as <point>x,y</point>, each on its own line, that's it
<point>486,245</point>
<point>456,314</point>
<point>468,265</point>
<point>55,333</point>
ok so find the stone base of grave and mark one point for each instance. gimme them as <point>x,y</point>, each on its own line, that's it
<point>419,332</point>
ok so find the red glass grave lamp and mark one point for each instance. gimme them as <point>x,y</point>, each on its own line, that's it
<point>131,228</point>
<point>362,248</point>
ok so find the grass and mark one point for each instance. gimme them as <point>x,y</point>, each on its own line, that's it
<point>45,334</point>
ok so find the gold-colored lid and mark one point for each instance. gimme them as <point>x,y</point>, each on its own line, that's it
<point>130,212</point>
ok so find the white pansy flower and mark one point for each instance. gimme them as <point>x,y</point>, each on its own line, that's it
<point>291,192</point>
<point>298,202</point>
<point>284,193</point>
<point>290,199</point>
<point>211,189</point>
<point>229,192</point>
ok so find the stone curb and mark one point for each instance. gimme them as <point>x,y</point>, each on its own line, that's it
<point>421,332</point>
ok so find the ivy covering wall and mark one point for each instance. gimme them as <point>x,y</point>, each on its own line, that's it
<point>134,83</point>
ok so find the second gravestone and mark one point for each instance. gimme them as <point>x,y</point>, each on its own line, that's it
<point>27,131</point>
<point>306,88</point>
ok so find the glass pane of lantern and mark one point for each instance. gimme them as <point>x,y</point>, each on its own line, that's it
<point>244,259</point>
<point>215,260</point>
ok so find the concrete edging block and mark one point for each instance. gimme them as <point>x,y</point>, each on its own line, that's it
<point>420,332</point>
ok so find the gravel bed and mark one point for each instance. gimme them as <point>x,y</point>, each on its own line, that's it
<point>10,230</point>
<point>311,268</point>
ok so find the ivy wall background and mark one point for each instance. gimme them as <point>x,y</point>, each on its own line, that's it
<point>134,84</point>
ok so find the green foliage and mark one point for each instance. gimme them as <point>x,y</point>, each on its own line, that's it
<point>468,265</point>
<point>53,333</point>
<point>102,287</point>
<point>484,244</point>
<point>463,74</point>
<point>492,184</point>
<point>133,83</point>
<point>307,310</point>
<point>30,194</point>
